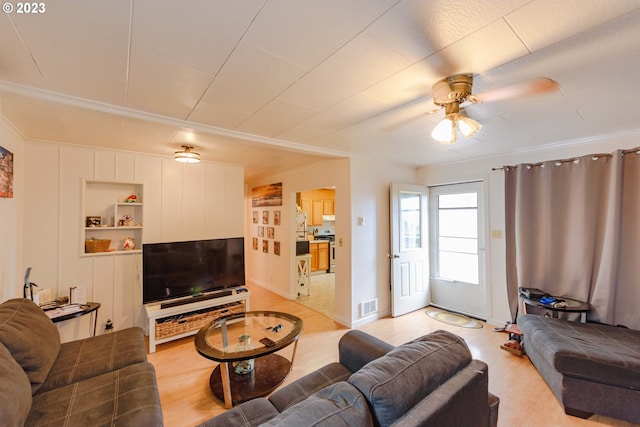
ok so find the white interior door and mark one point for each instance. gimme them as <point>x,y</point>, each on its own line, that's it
<point>456,231</point>
<point>409,254</point>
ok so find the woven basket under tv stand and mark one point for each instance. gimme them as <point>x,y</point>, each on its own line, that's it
<point>179,321</point>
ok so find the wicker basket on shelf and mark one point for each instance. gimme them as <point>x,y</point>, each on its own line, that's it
<point>96,245</point>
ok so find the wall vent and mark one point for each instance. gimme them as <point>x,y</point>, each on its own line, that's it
<point>368,307</point>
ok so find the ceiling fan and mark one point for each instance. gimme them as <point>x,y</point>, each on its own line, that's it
<point>451,92</point>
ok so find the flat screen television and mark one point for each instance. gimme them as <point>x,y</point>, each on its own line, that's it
<point>194,268</point>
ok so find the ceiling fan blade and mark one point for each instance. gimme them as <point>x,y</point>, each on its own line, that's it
<point>537,86</point>
<point>406,121</point>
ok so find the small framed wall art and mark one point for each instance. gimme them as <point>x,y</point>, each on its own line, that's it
<point>6,173</point>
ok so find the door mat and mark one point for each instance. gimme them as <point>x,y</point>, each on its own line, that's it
<point>454,319</point>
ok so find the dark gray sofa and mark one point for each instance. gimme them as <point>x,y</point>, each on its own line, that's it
<point>102,380</point>
<point>430,381</point>
<point>591,368</point>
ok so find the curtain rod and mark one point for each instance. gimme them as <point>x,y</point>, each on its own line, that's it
<point>558,162</point>
<point>633,150</point>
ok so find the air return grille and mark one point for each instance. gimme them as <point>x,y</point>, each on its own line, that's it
<point>368,307</point>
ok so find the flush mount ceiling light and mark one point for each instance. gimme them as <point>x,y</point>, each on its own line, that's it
<point>186,155</point>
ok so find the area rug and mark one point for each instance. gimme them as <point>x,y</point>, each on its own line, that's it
<point>454,319</point>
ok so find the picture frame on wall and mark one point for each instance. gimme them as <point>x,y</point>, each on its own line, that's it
<point>267,195</point>
<point>6,173</point>
<point>276,248</point>
<point>271,232</point>
<point>265,217</point>
<point>276,217</point>
<point>255,243</point>
<point>260,231</point>
<point>255,217</point>
<point>265,246</point>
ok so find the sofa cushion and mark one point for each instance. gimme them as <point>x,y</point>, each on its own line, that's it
<point>601,353</point>
<point>30,336</point>
<point>410,371</point>
<point>339,404</point>
<point>463,400</point>
<point>15,391</point>
<point>86,358</point>
<point>126,397</point>
<point>304,387</point>
<point>248,414</point>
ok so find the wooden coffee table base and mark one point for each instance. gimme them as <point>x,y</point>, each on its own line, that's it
<point>268,373</point>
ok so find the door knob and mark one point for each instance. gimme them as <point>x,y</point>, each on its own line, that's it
<point>393,256</point>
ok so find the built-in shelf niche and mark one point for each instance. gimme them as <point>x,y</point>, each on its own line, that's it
<point>108,201</point>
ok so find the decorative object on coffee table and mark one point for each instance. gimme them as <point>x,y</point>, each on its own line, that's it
<point>243,367</point>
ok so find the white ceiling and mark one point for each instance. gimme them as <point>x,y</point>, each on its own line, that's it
<point>274,84</point>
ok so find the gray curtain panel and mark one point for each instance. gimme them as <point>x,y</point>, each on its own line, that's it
<point>572,230</point>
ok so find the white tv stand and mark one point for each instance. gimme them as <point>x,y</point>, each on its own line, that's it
<point>186,319</point>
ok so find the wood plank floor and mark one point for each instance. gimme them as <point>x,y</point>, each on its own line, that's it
<point>525,399</point>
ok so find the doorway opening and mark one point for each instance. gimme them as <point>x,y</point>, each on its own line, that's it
<point>315,225</point>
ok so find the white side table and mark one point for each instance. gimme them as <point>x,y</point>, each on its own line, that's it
<point>303,282</point>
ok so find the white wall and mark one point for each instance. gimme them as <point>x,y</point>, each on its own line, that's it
<point>362,268</point>
<point>370,192</point>
<point>181,202</point>
<point>11,278</point>
<point>498,308</point>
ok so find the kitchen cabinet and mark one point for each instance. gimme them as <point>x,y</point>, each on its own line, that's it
<point>328,207</point>
<point>317,212</point>
<point>323,256</point>
<point>316,203</point>
<point>307,207</point>
<point>319,251</point>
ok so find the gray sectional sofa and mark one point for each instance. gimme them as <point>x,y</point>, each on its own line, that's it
<point>430,381</point>
<point>591,368</point>
<point>102,380</point>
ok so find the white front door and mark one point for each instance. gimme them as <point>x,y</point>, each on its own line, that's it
<point>457,248</point>
<point>409,254</point>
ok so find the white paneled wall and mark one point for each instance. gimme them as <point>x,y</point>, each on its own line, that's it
<point>181,202</point>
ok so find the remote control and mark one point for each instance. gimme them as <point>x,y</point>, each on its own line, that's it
<point>268,342</point>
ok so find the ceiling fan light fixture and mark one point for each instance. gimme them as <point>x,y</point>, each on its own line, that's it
<point>468,126</point>
<point>445,131</point>
<point>186,155</point>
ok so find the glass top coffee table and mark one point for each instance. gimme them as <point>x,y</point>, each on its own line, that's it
<point>248,366</point>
